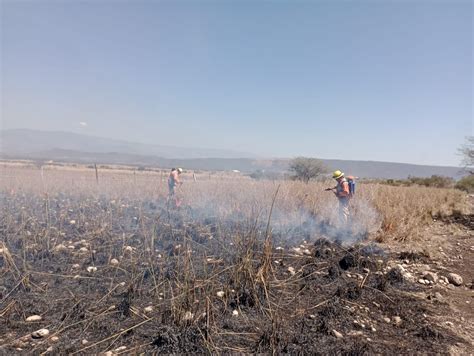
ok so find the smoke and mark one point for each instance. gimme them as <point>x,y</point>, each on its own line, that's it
<point>292,220</point>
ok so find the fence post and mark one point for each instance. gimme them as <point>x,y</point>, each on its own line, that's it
<point>96,173</point>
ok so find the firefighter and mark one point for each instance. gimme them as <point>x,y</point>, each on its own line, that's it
<point>342,192</point>
<point>173,183</point>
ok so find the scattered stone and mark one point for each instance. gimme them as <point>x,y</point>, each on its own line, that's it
<point>430,276</point>
<point>83,250</point>
<point>60,248</point>
<point>148,309</point>
<point>91,269</point>
<point>235,313</point>
<point>421,281</point>
<point>130,249</point>
<point>397,320</point>
<point>337,334</point>
<point>121,348</point>
<point>439,296</point>
<point>84,342</point>
<point>373,329</point>
<point>71,247</point>
<point>54,338</point>
<point>114,262</point>
<point>312,316</point>
<point>188,316</point>
<point>455,279</point>
<point>408,277</point>
<point>400,268</point>
<point>34,318</point>
<point>307,252</point>
<point>72,222</point>
<point>386,319</point>
<point>75,266</point>
<point>297,250</point>
<point>39,334</point>
<point>220,294</point>
<point>355,333</point>
<point>291,270</point>
<point>450,324</point>
<point>366,270</point>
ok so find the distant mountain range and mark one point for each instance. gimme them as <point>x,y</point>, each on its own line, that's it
<point>78,148</point>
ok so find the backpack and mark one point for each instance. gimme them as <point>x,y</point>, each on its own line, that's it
<point>352,185</point>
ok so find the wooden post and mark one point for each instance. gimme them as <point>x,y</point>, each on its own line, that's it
<point>96,173</point>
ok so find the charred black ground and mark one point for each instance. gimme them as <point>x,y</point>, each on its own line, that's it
<point>318,298</point>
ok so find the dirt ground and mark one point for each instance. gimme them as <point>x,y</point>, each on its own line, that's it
<point>207,286</point>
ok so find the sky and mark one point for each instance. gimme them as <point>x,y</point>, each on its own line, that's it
<point>364,80</point>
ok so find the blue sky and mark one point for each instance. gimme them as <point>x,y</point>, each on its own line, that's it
<point>366,80</point>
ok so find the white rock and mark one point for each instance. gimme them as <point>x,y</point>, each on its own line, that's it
<point>399,268</point>
<point>83,250</point>
<point>455,279</point>
<point>291,270</point>
<point>114,262</point>
<point>148,309</point>
<point>307,252</point>
<point>91,269</point>
<point>397,320</point>
<point>430,276</point>
<point>235,313</point>
<point>220,294</point>
<point>84,342</point>
<point>72,222</point>
<point>121,348</point>
<point>54,338</point>
<point>60,248</point>
<point>75,266</point>
<point>188,316</point>
<point>128,249</point>
<point>297,250</point>
<point>38,334</point>
<point>337,334</point>
<point>421,281</point>
<point>71,247</point>
<point>386,319</point>
<point>34,318</point>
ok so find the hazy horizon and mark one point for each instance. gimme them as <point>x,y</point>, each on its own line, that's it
<point>387,82</point>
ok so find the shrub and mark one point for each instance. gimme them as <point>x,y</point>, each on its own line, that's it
<point>466,184</point>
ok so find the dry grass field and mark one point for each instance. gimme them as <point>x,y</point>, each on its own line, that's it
<point>241,266</point>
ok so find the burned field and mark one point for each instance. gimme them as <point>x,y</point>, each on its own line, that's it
<point>131,276</point>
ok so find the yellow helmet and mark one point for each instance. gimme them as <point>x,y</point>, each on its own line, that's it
<point>337,174</point>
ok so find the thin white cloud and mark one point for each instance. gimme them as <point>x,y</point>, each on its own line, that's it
<point>83,123</point>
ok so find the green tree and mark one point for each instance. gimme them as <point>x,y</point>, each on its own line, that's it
<point>305,168</point>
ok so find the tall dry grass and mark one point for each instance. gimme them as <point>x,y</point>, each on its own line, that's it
<point>385,212</point>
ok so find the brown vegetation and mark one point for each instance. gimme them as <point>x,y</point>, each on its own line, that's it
<point>243,266</point>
